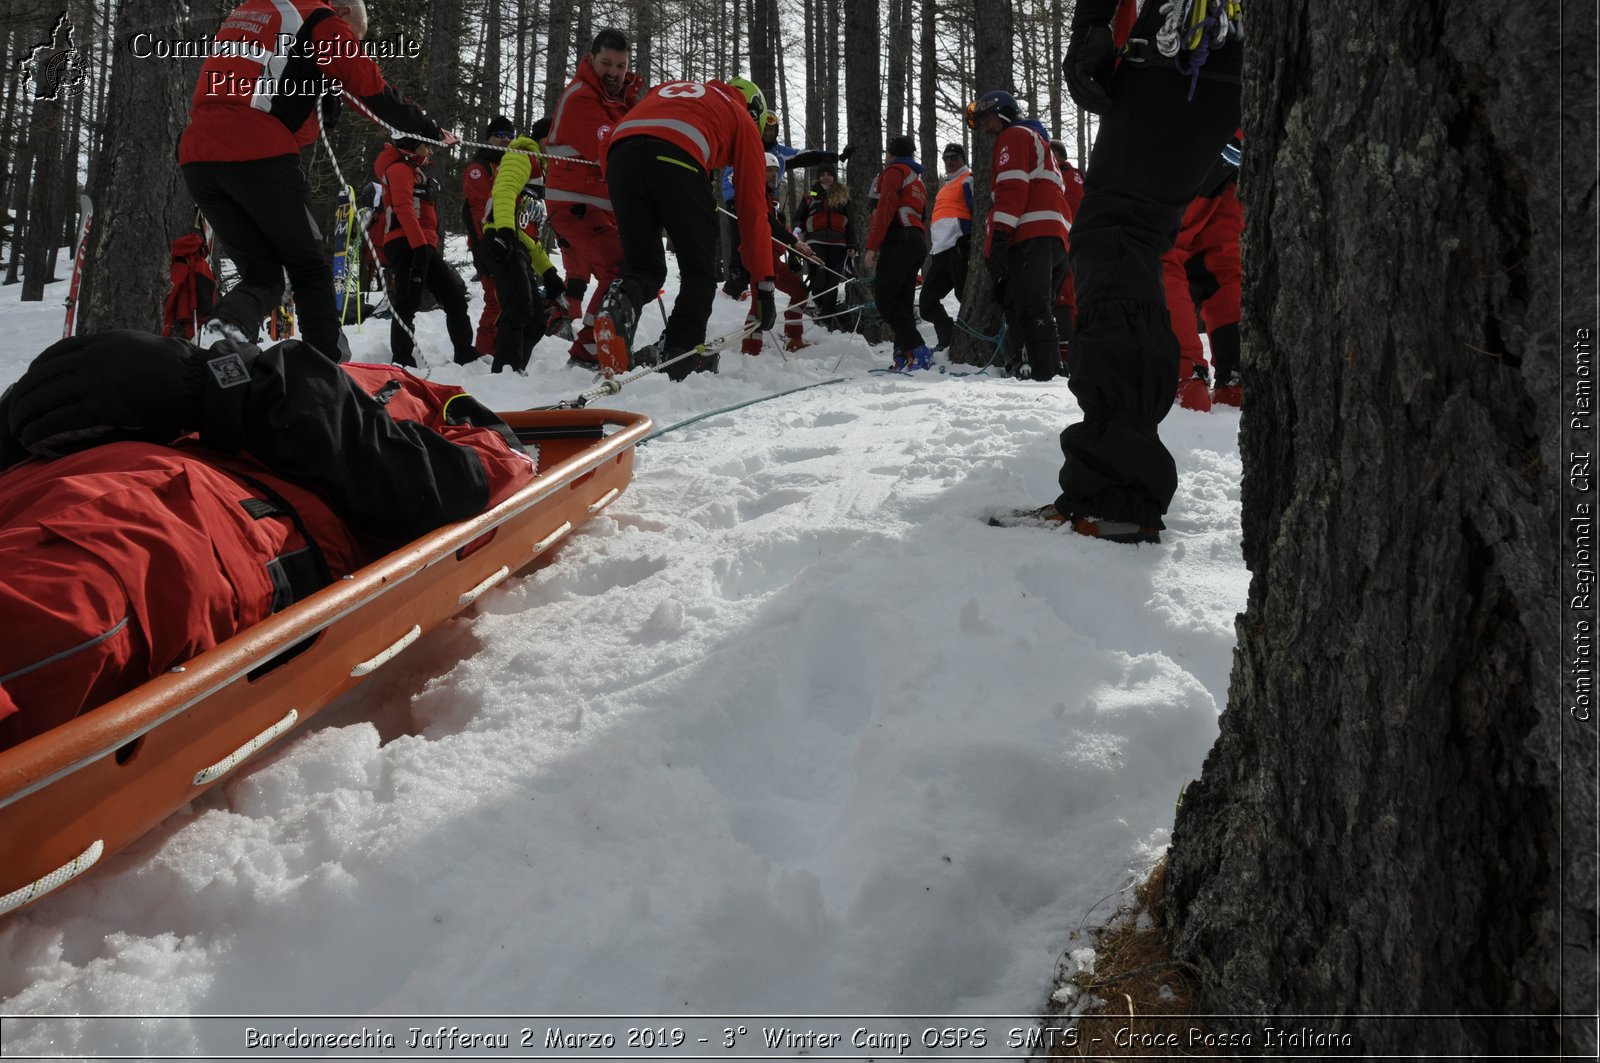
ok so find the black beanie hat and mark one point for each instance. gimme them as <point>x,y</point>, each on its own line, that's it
<point>541,128</point>
<point>953,148</point>
<point>500,126</point>
<point>407,143</point>
<point>900,144</point>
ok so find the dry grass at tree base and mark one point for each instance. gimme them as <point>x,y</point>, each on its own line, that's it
<point>1144,1002</point>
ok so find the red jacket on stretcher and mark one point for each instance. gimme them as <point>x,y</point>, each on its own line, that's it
<point>120,561</point>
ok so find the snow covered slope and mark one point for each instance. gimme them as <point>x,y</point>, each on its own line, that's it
<point>787,730</point>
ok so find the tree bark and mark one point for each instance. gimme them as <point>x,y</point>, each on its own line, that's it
<point>559,51</point>
<point>864,117</point>
<point>928,129</point>
<point>44,197</point>
<point>140,200</point>
<point>763,68</point>
<point>899,50</point>
<point>644,35</point>
<point>492,81</point>
<point>992,69</point>
<point>830,103</point>
<point>1380,826</point>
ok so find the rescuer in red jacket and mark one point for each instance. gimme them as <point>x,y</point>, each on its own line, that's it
<point>591,107</point>
<point>257,103</point>
<point>897,242</point>
<point>658,166</point>
<point>1027,238</point>
<point>411,248</point>
<point>124,553</point>
<point>1203,270</point>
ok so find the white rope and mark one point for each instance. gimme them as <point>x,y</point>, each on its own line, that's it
<point>1169,38</point>
<point>612,385</point>
<point>59,877</point>
<point>205,776</point>
<point>417,352</point>
<point>459,143</point>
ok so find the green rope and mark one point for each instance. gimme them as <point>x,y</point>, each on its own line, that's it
<point>736,406</point>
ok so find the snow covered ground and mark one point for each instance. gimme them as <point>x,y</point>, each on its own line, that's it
<point>787,731</point>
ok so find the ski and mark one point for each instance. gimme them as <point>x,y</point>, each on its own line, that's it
<point>346,271</point>
<point>86,208</point>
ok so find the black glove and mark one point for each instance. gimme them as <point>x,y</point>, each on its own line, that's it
<point>421,262</point>
<point>847,151</point>
<point>999,243</point>
<point>1091,60</point>
<point>499,244</point>
<point>554,287</point>
<point>767,301</point>
<point>579,209</point>
<point>107,386</point>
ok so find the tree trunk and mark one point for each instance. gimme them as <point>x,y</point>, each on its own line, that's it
<point>644,39</point>
<point>992,70</point>
<point>899,50</point>
<point>830,103</point>
<point>1380,828</point>
<point>928,132</point>
<point>816,128</point>
<point>862,32</point>
<point>1053,67</point>
<point>559,52</point>
<point>21,185</point>
<point>492,81</point>
<point>763,68</point>
<point>140,200</point>
<point>44,225</point>
<point>519,106</point>
<point>584,31</point>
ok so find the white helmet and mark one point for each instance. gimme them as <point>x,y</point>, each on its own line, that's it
<point>772,161</point>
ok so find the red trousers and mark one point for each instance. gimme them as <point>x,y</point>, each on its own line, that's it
<point>1204,265</point>
<point>789,283</point>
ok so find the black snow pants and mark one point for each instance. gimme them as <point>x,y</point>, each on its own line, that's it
<point>656,186</point>
<point>1151,157</point>
<point>260,212</point>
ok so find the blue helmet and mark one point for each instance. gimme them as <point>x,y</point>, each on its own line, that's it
<point>996,102</point>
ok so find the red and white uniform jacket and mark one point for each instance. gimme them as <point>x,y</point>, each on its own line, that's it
<point>477,189</point>
<point>259,100</point>
<point>408,198</point>
<point>709,120</point>
<point>902,200</point>
<point>1030,200</point>
<point>119,562</point>
<point>584,117</point>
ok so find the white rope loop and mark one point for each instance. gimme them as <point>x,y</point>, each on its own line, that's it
<point>55,879</point>
<point>206,776</point>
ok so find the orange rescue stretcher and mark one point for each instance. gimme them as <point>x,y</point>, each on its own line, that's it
<point>73,796</point>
